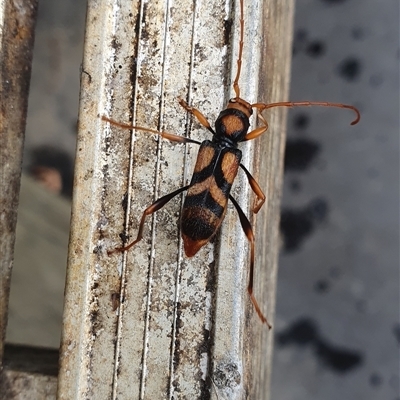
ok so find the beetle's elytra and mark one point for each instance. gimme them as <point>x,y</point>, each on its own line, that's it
<point>218,162</point>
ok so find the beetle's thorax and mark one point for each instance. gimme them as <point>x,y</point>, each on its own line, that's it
<point>233,123</point>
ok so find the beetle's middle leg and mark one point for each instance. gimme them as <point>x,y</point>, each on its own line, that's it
<point>260,199</point>
<point>159,203</point>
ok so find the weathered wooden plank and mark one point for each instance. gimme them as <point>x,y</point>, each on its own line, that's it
<point>151,323</point>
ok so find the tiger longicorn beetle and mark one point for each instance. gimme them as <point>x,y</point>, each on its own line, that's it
<point>217,165</point>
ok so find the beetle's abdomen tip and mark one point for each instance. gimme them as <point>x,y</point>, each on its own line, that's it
<point>191,246</point>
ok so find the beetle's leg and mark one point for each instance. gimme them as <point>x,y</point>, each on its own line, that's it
<point>258,131</point>
<point>148,211</point>
<point>260,199</point>
<point>166,135</point>
<point>246,226</point>
<point>200,117</point>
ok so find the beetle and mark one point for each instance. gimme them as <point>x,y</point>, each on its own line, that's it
<point>217,165</point>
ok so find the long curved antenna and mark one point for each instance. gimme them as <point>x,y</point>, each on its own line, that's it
<point>262,106</point>
<point>239,61</point>
<point>166,135</point>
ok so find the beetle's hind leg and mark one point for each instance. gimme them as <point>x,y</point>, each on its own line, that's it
<point>250,236</point>
<point>159,203</point>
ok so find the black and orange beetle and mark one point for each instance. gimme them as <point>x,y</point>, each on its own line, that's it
<point>217,165</point>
